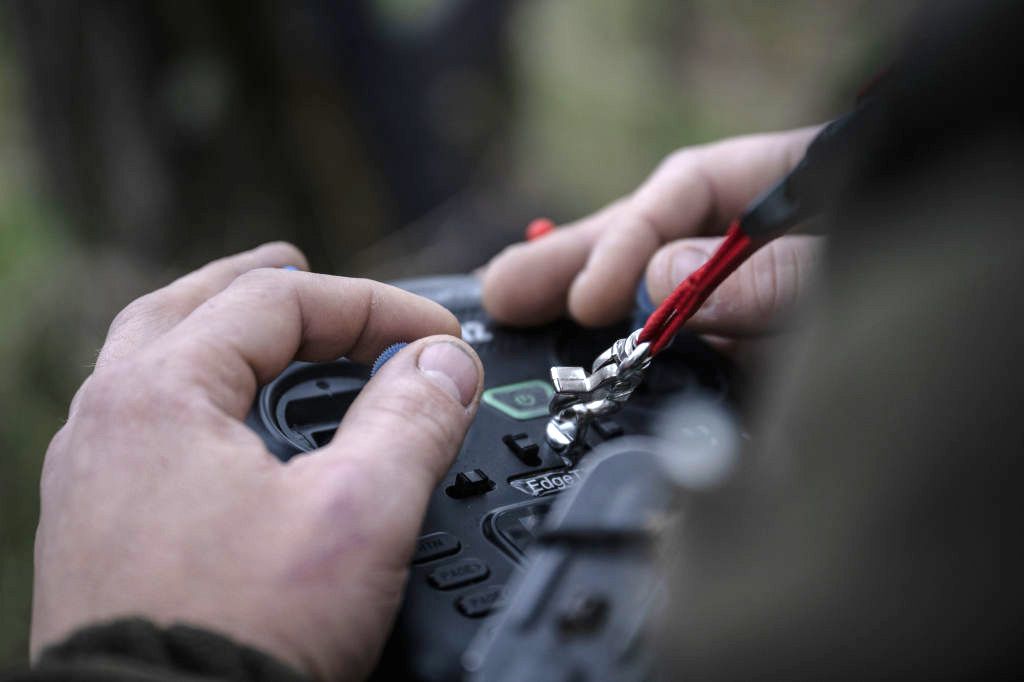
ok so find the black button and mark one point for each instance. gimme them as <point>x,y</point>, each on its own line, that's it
<point>435,546</point>
<point>481,601</point>
<point>469,483</point>
<point>523,448</point>
<point>458,573</point>
<point>608,428</point>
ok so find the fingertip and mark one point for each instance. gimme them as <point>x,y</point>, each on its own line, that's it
<point>656,278</point>
<point>397,309</point>
<point>449,324</point>
<point>453,366</point>
<point>596,303</point>
<point>280,254</point>
<point>447,362</point>
<point>492,291</point>
<point>748,301</point>
<point>512,295</point>
<point>417,408</point>
<point>673,263</point>
<point>454,327</point>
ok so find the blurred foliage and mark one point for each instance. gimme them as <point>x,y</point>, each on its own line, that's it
<point>603,90</point>
<point>609,87</point>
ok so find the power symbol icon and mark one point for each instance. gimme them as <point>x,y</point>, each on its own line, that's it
<point>525,399</point>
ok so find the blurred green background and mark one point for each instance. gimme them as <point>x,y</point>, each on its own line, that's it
<point>387,138</point>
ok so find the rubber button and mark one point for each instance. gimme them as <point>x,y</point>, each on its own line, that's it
<point>525,400</point>
<point>522,447</point>
<point>435,546</point>
<point>469,483</point>
<point>458,573</point>
<point>482,601</point>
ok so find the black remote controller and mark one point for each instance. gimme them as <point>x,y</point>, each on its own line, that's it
<point>594,588</point>
<point>482,517</point>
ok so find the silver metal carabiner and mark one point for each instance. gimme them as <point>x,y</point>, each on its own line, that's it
<point>580,397</point>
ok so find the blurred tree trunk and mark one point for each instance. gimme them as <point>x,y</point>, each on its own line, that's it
<point>183,130</point>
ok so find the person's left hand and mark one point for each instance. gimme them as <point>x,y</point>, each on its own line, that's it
<point>658,235</point>
<point>158,501</point>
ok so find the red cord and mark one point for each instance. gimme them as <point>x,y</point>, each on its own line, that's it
<point>691,293</point>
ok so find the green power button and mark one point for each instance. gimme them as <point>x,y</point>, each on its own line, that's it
<point>525,400</point>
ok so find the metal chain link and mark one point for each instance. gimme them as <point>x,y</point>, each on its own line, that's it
<point>581,397</point>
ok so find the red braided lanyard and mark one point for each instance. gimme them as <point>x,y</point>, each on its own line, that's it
<point>687,298</point>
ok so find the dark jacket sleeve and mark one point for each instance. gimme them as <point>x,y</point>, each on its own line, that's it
<point>136,649</point>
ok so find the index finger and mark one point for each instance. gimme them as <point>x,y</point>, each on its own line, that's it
<point>247,334</point>
<point>694,191</point>
<point>150,316</point>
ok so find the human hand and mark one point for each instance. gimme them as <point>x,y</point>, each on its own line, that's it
<point>158,501</point>
<point>591,268</point>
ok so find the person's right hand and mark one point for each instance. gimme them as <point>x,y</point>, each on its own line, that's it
<point>590,268</point>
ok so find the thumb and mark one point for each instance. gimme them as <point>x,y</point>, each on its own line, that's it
<point>407,425</point>
<point>751,300</point>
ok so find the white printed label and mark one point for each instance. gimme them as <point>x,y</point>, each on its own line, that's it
<point>545,484</point>
<point>474,331</point>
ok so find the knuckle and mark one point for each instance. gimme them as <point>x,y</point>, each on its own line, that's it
<point>103,383</point>
<point>680,184</point>
<point>269,286</point>
<point>178,300</point>
<point>681,168</point>
<point>56,461</point>
<point>365,289</point>
<point>680,159</point>
<point>57,445</point>
<point>258,279</point>
<point>672,170</point>
<point>658,275</point>
<point>170,303</point>
<point>648,229</point>
<point>136,390</point>
<point>105,397</point>
<point>141,308</point>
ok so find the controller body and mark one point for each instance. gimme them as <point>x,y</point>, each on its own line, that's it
<point>482,518</point>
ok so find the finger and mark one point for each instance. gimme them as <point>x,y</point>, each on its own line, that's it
<point>526,284</point>
<point>754,299</point>
<point>694,191</point>
<point>403,431</point>
<point>152,315</point>
<point>248,333</point>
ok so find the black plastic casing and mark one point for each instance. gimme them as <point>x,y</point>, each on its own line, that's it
<point>478,537</point>
<point>586,607</point>
<point>818,177</point>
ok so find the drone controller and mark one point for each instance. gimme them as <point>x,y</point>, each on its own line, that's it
<point>485,514</point>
